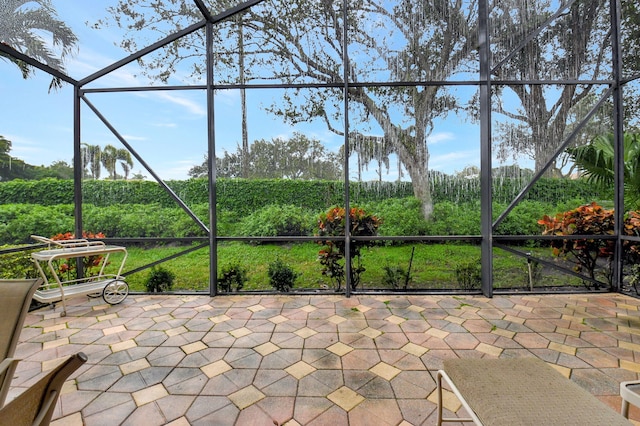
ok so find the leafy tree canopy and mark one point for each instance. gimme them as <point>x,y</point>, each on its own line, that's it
<point>299,41</point>
<point>298,157</point>
<point>15,168</point>
<point>405,42</point>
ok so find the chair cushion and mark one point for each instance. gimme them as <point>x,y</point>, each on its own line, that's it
<point>526,391</point>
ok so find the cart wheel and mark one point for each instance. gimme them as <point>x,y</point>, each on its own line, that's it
<point>94,295</point>
<point>115,292</point>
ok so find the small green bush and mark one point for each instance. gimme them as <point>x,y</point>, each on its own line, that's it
<point>227,223</point>
<point>469,275</point>
<point>281,276</point>
<point>232,278</point>
<point>401,217</point>
<point>17,265</point>
<point>159,280</point>
<point>634,277</point>
<point>396,277</point>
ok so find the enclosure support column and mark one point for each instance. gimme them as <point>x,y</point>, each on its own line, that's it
<point>78,174</point>
<point>347,220</point>
<point>486,227</point>
<point>211,158</point>
<point>618,152</point>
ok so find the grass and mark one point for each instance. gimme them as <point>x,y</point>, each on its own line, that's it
<point>433,266</point>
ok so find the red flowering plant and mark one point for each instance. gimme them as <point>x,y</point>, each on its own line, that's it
<point>333,223</point>
<point>90,263</point>
<point>590,219</point>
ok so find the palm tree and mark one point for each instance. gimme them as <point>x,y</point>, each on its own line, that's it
<point>108,159</point>
<point>126,162</point>
<point>596,162</point>
<point>21,24</point>
<point>5,146</point>
<point>91,158</point>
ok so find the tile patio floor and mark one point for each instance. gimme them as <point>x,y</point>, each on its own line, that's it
<point>312,360</point>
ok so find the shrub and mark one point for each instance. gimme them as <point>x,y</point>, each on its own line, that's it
<point>281,276</point>
<point>332,223</point>
<point>278,220</point>
<point>90,264</point>
<point>227,223</point>
<point>248,195</point>
<point>404,214</point>
<point>159,280</point>
<point>17,265</point>
<point>145,220</point>
<point>589,219</point>
<point>632,228</point>
<point>232,278</point>
<point>469,275</point>
<point>396,277</point>
<point>523,219</point>
<point>19,221</point>
<point>455,219</point>
<point>634,277</point>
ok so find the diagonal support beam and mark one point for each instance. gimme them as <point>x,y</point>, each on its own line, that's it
<point>124,142</point>
<point>558,151</point>
<point>139,54</point>
<point>5,48</point>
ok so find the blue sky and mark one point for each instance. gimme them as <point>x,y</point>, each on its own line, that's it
<point>167,128</point>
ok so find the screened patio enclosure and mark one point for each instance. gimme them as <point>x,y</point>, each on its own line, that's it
<point>449,127</point>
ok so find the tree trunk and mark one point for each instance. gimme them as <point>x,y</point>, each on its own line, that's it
<point>422,190</point>
<point>414,154</point>
<point>410,144</point>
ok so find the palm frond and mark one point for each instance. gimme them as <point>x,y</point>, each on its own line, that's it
<point>596,162</point>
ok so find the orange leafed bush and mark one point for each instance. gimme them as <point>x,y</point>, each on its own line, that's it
<point>590,219</point>
<point>332,223</point>
<point>90,263</point>
<point>71,236</point>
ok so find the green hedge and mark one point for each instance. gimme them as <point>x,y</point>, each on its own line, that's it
<point>400,216</point>
<point>246,196</point>
<point>19,221</point>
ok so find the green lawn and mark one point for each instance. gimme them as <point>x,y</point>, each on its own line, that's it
<point>433,266</point>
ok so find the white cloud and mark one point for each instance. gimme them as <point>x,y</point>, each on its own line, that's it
<point>22,144</point>
<point>166,125</point>
<point>193,107</point>
<point>129,138</point>
<point>32,152</point>
<point>440,137</point>
<point>228,97</point>
<point>452,161</point>
<point>90,62</point>
<point>178,170</point>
